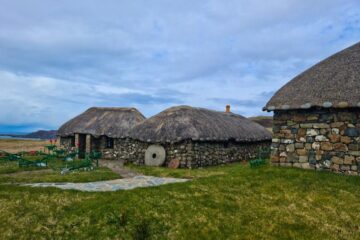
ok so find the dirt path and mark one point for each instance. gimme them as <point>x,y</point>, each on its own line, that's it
<point>118,167</point>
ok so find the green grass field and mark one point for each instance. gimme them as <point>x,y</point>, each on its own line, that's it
<point>226,202</point>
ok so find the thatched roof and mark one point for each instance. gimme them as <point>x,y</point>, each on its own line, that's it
<point>111,122</point>
<point>334,82</point>
<point>198,124</point>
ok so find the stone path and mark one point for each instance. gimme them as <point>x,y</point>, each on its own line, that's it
<point>118,167</point>
<point>113,185</point>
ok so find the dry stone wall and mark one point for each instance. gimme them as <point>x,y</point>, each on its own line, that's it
<point>67,142</point>
<point>190,154</point>
<point>322,139</point>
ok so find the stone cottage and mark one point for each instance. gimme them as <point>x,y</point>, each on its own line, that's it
<point>195,137</point>
<point>100,129</point>
<point>317,116</point>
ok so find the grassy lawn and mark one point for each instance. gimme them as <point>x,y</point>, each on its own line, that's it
<point>226,202</point>
<point>10,172</point>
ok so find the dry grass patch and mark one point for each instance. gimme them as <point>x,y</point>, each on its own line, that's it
<point>15,145</point>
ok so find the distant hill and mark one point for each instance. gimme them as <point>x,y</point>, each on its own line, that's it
<point>264,121</point>
<point>42,134</point>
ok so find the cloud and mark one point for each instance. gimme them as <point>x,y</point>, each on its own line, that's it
<point>57,59</point>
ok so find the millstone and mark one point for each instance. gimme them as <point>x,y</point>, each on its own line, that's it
<point>155,155</point>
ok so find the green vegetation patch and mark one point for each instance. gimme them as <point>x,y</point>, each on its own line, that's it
<point>226,202</point>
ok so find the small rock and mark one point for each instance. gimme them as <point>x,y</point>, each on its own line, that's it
<point>316,146</point>
<point>306,125</point>
<point>354,147</point>
<point>174,163</point>
<point>290,148</point>
<point>321,125</point>
<point>340,147</point>
<point>334,138</point>
<point>321,138</point>
<point>345,139</point>
<point>326,146</point>
<point>301,152</point>
<point>312,117</point>
<point>352,132</point>
<point>303,159</point>
<point>308,146</point>
<point>283,154</point>
<point>335,167</point>
<point>335,131</point>
<point>299,145</point>
<point>306,166</point>
<point>312,132</point>
<point>337,124</point>
<point>349,160</point>
<point>337,160</point>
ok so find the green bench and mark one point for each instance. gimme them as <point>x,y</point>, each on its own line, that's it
<point>84,164</point>
<point>263,156</point>
<point>59,153</point>
<point>27,163</point>
<point>70,156</point>
<point>9,156</point>
<point>95,156</point>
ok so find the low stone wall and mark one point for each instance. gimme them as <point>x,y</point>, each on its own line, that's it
<point>322,139</point>
<point>126,149</point>
<point>190,154</point>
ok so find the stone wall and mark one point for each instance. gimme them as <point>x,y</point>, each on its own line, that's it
<point>190,154</point>
<point>67,142</point>
<point>322,139</point>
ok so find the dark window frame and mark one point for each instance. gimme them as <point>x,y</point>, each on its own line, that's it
<point>109,144</point>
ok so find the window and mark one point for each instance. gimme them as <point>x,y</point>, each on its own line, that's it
<point>109,142</point>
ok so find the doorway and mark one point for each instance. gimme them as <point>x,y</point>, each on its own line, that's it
<point>82,145</point>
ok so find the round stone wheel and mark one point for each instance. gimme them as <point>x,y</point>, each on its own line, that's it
<point>155,155</point>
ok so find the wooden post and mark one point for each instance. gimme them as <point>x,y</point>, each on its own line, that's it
<point>88,144</point>
<point>77,140</point>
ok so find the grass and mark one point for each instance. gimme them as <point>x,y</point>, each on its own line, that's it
<point>10,172</point>
<point>225,202</point>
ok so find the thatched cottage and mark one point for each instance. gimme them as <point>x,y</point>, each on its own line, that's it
<point>317,116</point>
<point>101,129</point>
<point>195,137</point>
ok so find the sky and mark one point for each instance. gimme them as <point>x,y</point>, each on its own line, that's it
<point>58,58</point>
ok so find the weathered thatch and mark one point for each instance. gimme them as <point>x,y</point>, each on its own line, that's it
<point>334,82</point>
<point>199,124</point>
<point>111,122</point>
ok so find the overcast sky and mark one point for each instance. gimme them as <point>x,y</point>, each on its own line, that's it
<point>57,58</point>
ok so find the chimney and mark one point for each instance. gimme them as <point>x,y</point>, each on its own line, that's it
<point>227,108</point>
